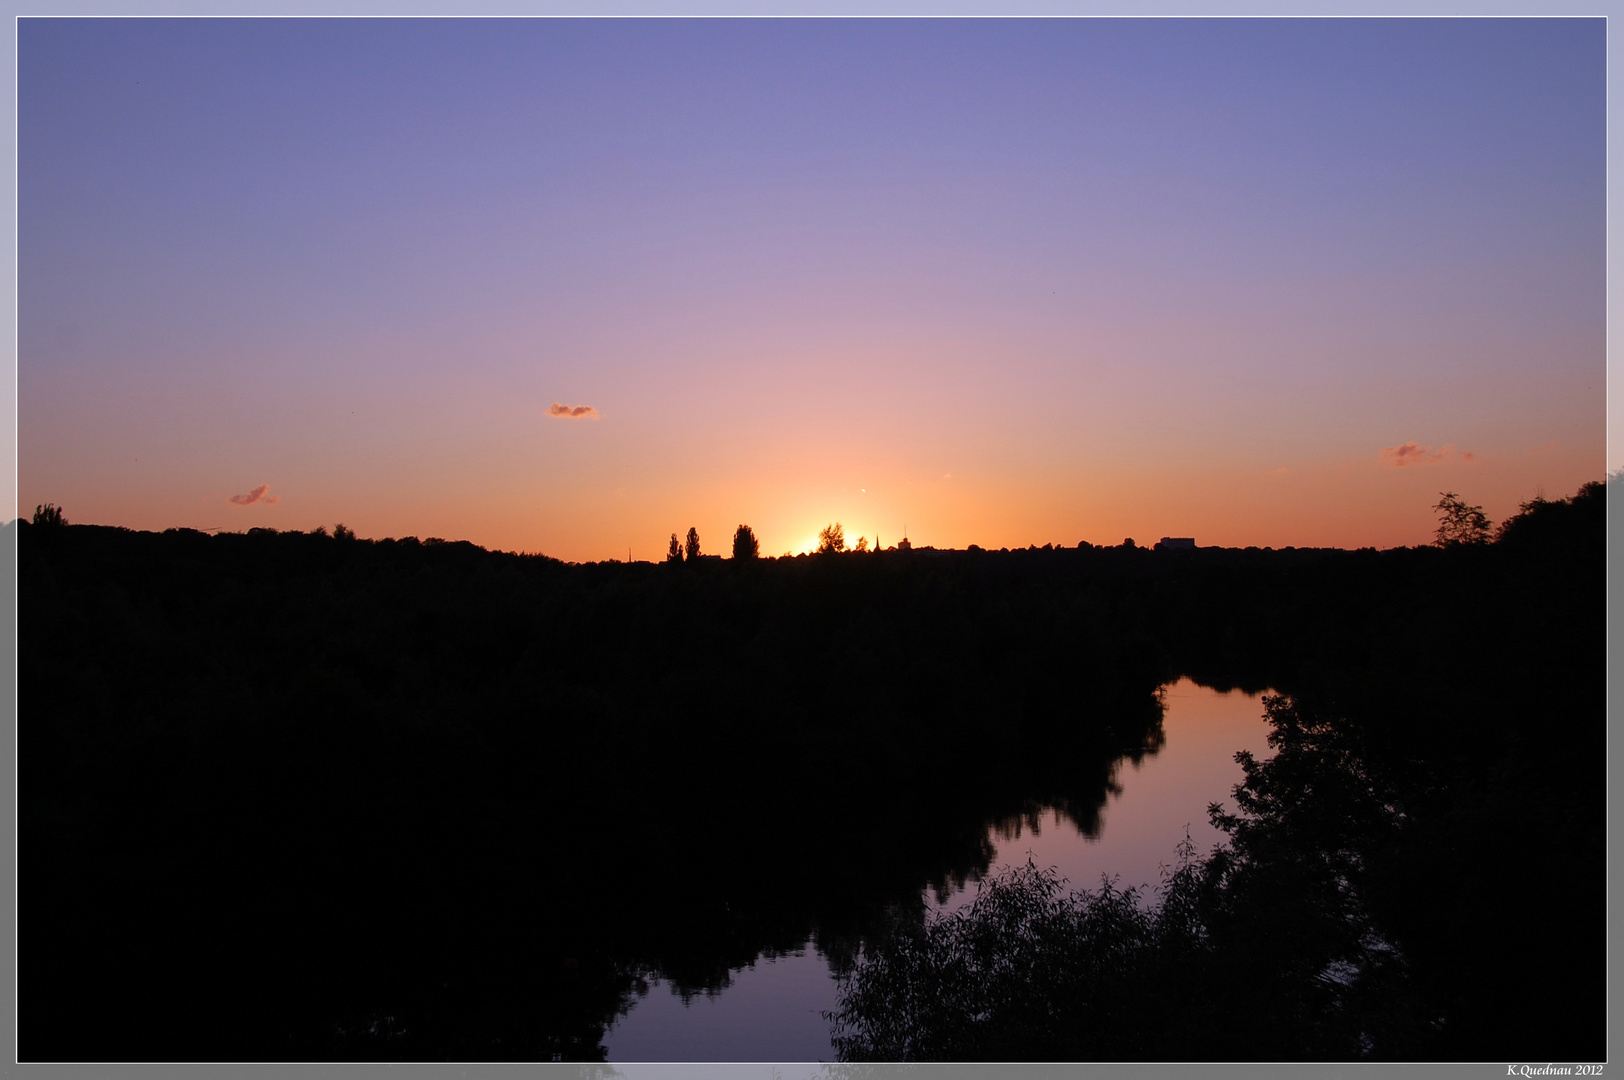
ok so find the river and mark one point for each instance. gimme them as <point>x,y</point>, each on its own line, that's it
<point>773,1009</point>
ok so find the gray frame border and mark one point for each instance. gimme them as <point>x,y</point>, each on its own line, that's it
<point>9,704</point>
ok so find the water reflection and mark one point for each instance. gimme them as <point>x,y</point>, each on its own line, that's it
<point>1146,799</point>
<point>1152,799</point>
<point>1085,812</point>
<point>443,898</point>
<point>772,1011</point>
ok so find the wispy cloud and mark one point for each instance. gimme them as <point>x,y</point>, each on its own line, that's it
<point>1411,453</point>
<point>573,412</point>
<point>260,494</point>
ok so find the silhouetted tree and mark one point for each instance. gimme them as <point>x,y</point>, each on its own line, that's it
<point>49,515</point>
<point>691,548</point>
<point>1392,810</point>
<point>674,552</point>
<point>831,538</point>
<point>1459,523</point>
<point>745,545</point>
<point>862,544</point>
<point>1026,971</point>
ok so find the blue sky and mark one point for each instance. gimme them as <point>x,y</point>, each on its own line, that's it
<point>1007,281</point>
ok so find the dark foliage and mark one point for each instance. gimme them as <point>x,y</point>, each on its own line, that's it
<point>327,797</point>
<point>1025,972</point>
<point>285,782</point>
<point>1414,874</point>
<point>745,545</point>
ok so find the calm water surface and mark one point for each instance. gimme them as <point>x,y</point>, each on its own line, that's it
<point>773,1009</point>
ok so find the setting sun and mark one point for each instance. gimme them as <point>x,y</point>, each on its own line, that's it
<point>426,423</point>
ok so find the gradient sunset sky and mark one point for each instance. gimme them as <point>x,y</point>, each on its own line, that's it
<point>570,286</point>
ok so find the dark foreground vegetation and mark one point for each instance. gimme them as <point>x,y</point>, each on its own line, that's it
<point>295,796</point>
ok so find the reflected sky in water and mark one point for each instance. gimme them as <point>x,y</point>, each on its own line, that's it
<point>1143,824</point>
<point>773,1010</point>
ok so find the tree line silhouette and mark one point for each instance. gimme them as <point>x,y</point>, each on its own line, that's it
<point>745,546</point>
<point>831,541</point>
<point>1415,874</point>
<point>291,785</point>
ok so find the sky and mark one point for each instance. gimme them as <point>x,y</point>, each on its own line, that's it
<point>571,286</point>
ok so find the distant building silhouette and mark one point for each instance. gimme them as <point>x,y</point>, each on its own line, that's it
<point>1176,543</point>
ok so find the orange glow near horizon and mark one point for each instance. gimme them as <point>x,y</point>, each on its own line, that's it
<point>1346,505</point>
<point>1020,296</point>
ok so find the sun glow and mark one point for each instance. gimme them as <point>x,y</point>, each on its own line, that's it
<point>812,544</point>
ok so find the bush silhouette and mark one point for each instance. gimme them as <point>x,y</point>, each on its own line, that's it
<point>832,538</point>
<point>49,515</point>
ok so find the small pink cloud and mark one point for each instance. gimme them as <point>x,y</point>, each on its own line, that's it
<point>1412,453</point>
<point>1407,454</point>
<point>573,412</point>
<point>258,495</point>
